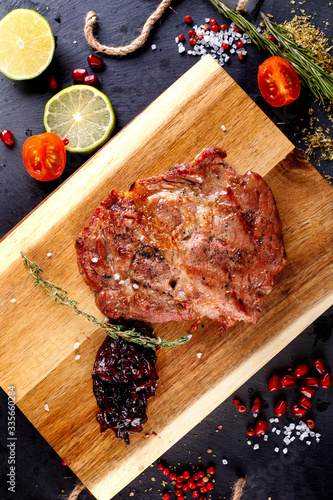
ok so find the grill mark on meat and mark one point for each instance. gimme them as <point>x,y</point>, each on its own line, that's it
<point>198,240</point>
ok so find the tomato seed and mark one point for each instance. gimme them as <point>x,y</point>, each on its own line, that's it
<point>53,84</point>
<point>7,137</point>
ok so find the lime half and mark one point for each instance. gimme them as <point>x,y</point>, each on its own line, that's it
<point>81,114</point>
<point>26,44</point>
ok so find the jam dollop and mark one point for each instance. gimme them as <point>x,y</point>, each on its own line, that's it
<point>124,378</point>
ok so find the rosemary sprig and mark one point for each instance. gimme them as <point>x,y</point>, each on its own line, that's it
<point>311,74</point>
<point>60,297</point>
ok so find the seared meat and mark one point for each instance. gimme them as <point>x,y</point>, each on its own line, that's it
<point>198,240</point>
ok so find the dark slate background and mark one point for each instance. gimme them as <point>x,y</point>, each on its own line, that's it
<point>132,83</point>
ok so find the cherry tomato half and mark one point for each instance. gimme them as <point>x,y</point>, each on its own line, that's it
<point>278,81</point>
<point>44,156</point>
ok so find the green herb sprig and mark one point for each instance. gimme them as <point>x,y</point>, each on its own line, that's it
<point>311,74</point>
<point>60,297</point>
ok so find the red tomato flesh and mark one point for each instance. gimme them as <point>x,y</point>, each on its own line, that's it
<point>44,156</point>
<point>278,82</point>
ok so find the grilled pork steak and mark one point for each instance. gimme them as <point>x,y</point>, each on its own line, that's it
<point>198,240</point>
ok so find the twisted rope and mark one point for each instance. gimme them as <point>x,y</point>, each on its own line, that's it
<point>91,20</point>
<point>238,489</point>
<point>240,8</point>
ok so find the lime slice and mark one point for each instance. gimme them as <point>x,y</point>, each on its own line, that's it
<point>81,114</point>
<point>26,44</point>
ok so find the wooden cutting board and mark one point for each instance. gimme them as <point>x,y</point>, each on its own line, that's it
<point>37,336</point>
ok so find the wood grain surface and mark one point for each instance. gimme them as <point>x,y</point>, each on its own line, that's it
<point>37,336</point>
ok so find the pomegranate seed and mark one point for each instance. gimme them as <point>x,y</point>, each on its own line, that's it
<point>186,475</point>
<point>237,29</point>
<point>79,74</point>
<point>201,473</point>
<point>165,471</point>
<point>256,405</point>
<point>311,424</point>
<point>203,489</point>
<point>301,370</point>
<point>211,470</point>
<point>90,80</point>
<point>297,411</point>
<point>326,381</point>
<point>185,487</point>
<point>206,27</point>
<point>195,477</point>
<point>320,365</point>
<point>160,466</point>
<point>240,44</point>
<point>95,62</point>
<point>209,486</point>
<point>223,27</point>
<point>195,494</point>
<point>271,37</point>
<point>304,402</point>
<point>213,21</point>
<point>280,408</point>
<point>166,496</point>
<point>188,19</point>
<point>65,141</point>
<point>274,384</point>
<point>287,381</point>
<point>191,33</point>
<point>261,427</point>
<point>250,431</point>
<point>225,46</point>
<point>215,28</point>
<point>7,137</point>
<point>181,37</point>
<point>311,381</point>
<point>53,84</point>
<point>192,41</point>
<point>200,36</point>
<point>307,391</point>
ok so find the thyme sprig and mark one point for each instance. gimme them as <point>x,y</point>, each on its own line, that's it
<point>60,296</point>
<point>310,72</point>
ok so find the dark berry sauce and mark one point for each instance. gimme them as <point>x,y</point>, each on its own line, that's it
<point>124,378</point>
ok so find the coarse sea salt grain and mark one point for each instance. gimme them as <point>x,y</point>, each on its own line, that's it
<point>116,276</point>
<point>276,449</point>
<point>76,345</point>
<point>46,406</point>
<point>135,285</point>
<point>94,259</point>
<point>256,446</point>
<point>49,254</point>
<point>265,437</point>
<point>153,47</point>
<point>77,357</point>
<point>199,355</point>
<point>13,301</point>
<point>285,450</point>
<point>223,128</point>
<point>224,461</point>
<point>249,442</point>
